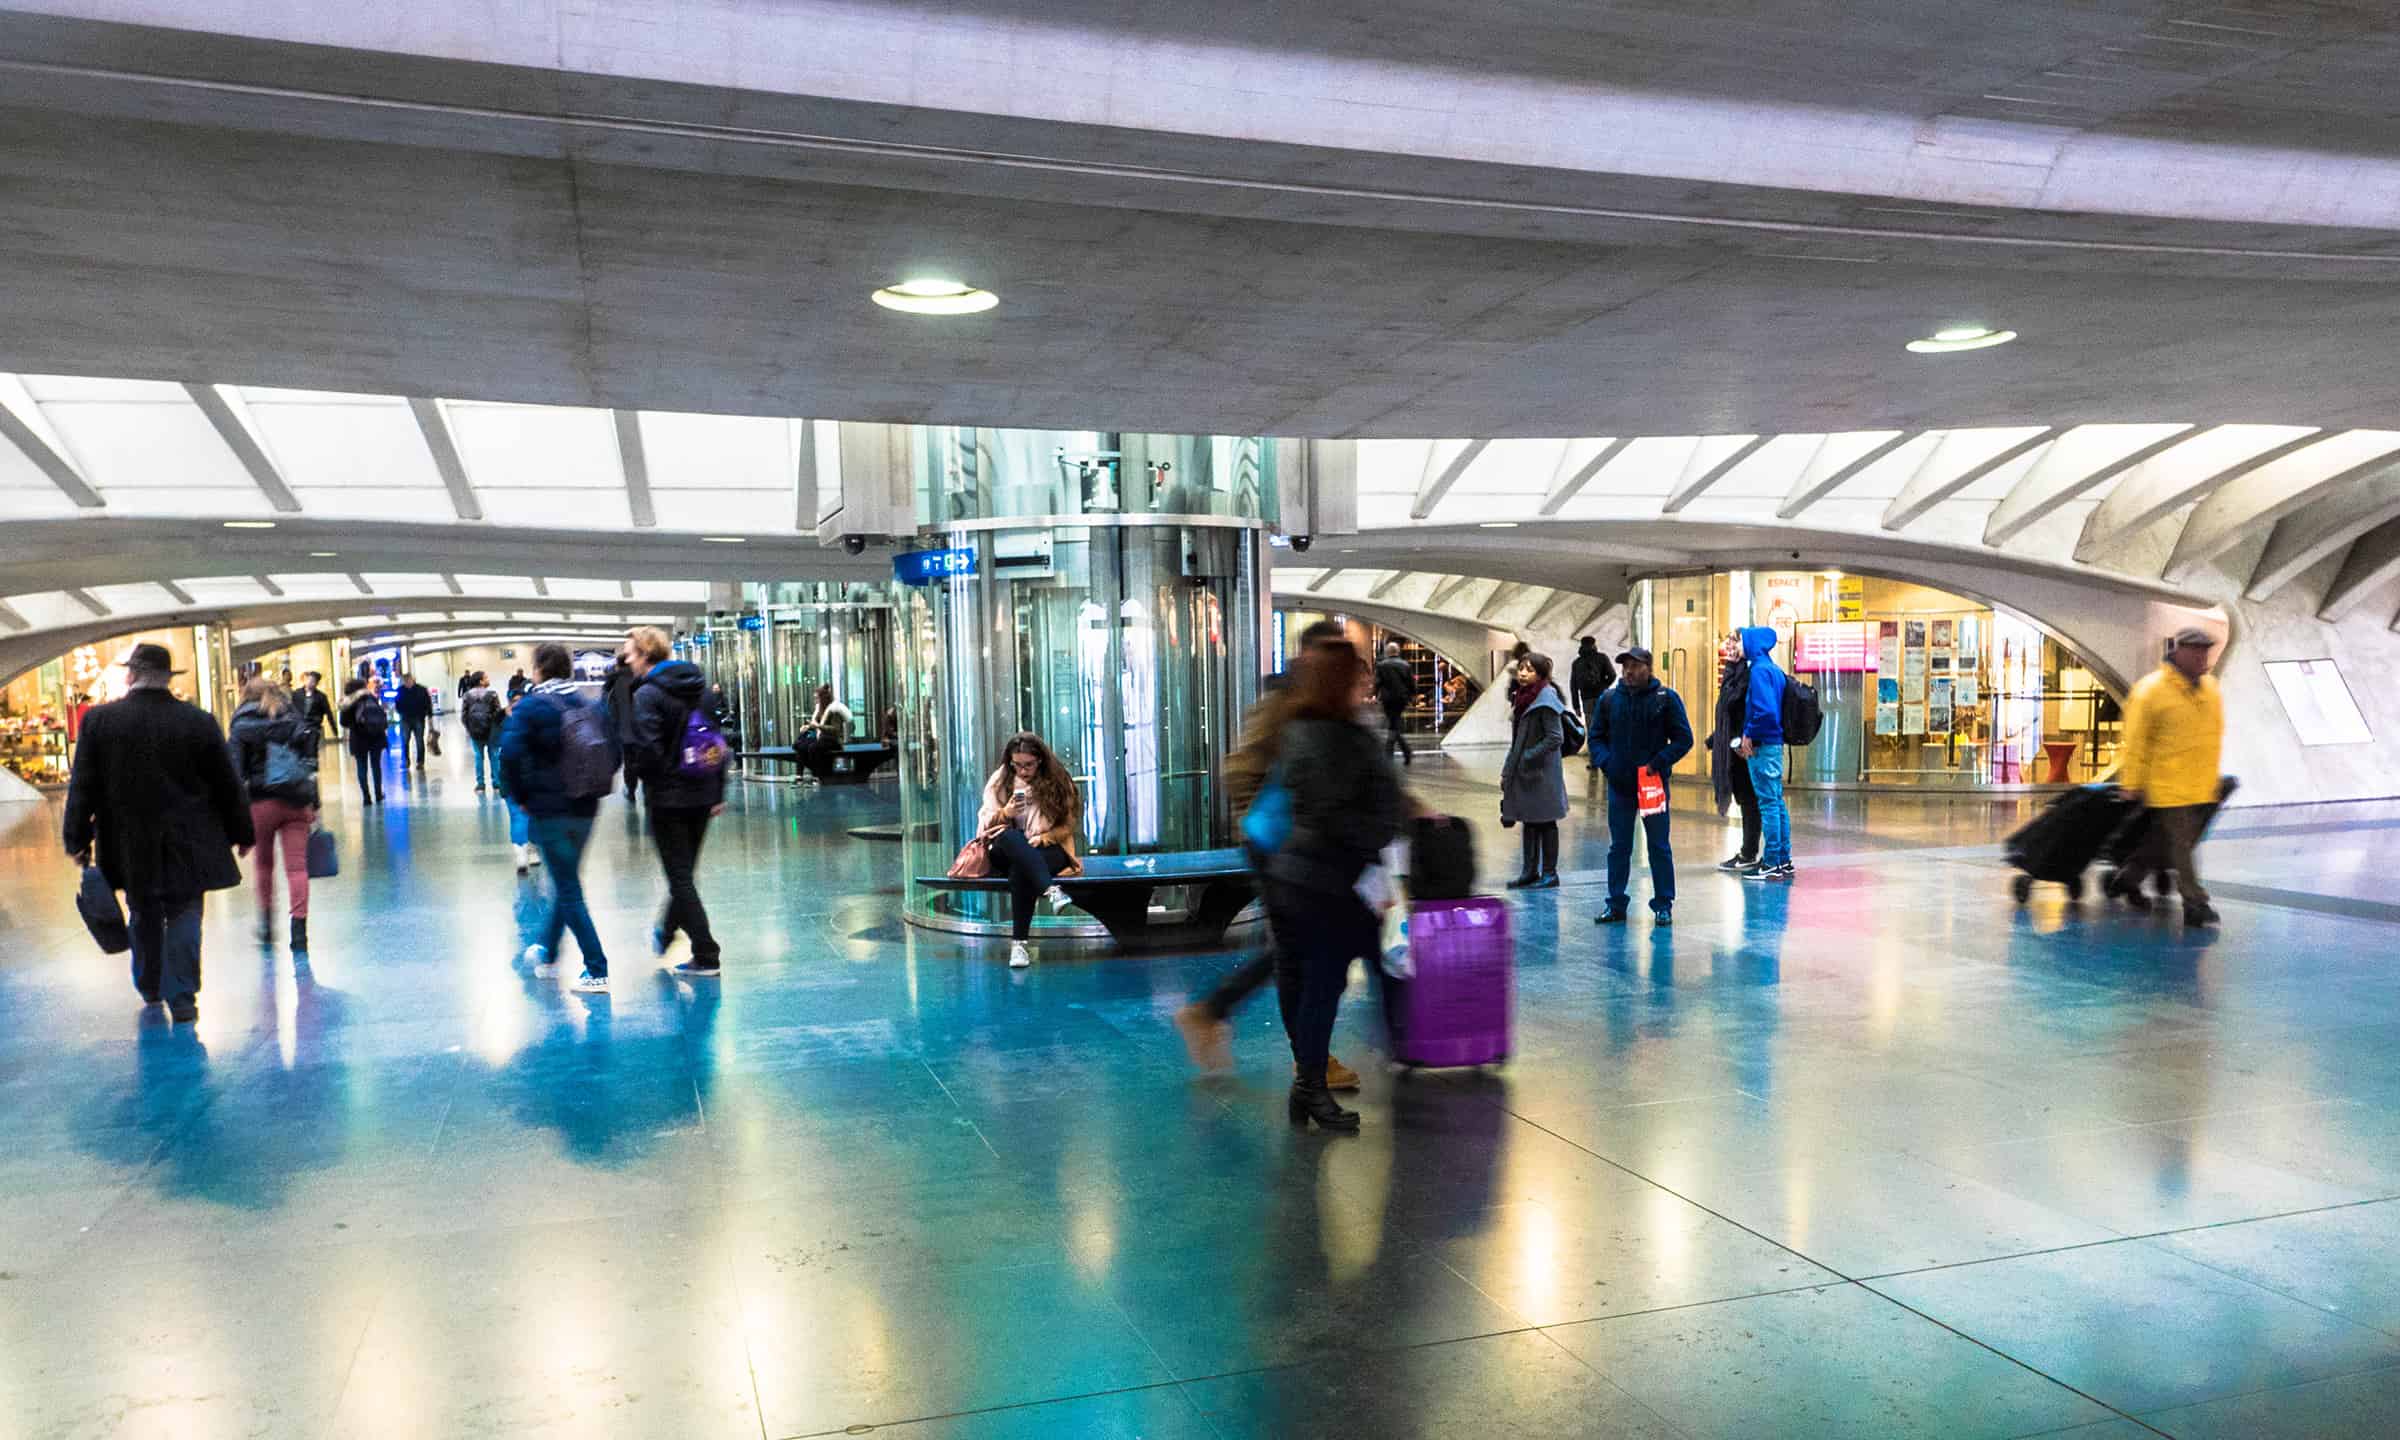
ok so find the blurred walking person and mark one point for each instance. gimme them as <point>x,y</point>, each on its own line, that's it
<point>677,747</point>
<point>533,760</point>
<point>276,756</point>
<point>415,705</point>
<point>2174,743</point>
<point>367,724</point>
<point>1395,686</point>
<point>153,800</point>
<point>1590,675</point>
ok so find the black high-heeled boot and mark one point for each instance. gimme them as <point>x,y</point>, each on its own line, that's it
<point>1312,1101</point>
<point>299,934</point>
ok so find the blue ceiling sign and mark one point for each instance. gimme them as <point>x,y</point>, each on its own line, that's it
<point>923,567</point>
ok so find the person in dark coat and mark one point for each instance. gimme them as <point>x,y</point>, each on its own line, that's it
<point>154,801</point>
<point>1533,784</point>
<point>316,711</point>
<point>1728,772</point>
<point>364,721</point>
<point>532,747</point>
<point>275,753</point>
<point>1591,675</point>
<point>616,691</point>
<point>1346,806</point>
<point>1640,725</point>
<point>415,704</point>
<point>1395,686</point>
<point>664,693</point>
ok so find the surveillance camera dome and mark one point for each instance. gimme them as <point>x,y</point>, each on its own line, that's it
<point>1300,542</point>
<point>855,544</point>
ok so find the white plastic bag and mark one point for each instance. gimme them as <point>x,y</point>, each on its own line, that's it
<point>1395,944</point>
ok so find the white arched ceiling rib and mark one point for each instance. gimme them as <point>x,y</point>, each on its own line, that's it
<point>2273,491</point>
<point>1446,590</point>
<point>2074,463</point>
<point>2309,535</point>
<point>1962,458</point>
<point>1713,458</point>
<point>635,463</point>
<point>229,415</point>
<point>1445,465</point>
<point>23,425</point>
<point>1838,459</point>
<point>443,446</point>
<point>2187,471</point>
<point>1577,464</point>
<point>2374,558</point>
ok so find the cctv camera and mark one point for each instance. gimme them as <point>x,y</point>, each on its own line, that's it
<point>855,544</point>
<point>1300,542</point>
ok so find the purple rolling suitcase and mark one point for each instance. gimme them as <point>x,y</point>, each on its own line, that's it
<point>1454,1009</point>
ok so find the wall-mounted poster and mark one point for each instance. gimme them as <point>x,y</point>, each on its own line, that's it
<point>1937,707</point>
<point>1913,634</point>
<point>1888,649</point>
<point>1887,719</point>
<point>1970,643</point>
<point>1912,718</point>
<point>1964,694</point>
<point>1887,690</point>
<point>1912,673</point>
<point>1944,634</point>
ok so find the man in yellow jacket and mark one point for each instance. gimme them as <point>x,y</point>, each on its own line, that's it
<point>2174,739</point>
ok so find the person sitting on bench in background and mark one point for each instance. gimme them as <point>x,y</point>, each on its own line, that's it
<point>827,731</point>
<point>1031,812</point>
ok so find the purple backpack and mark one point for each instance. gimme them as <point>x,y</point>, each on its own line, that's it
<point>701,752</point>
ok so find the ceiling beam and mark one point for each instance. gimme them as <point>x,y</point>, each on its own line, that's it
<point>450,583</point>
<point>360,581</point>
<point>1577,464</point>
<point>434,425</point>
<point>541,587</point>
<point>229,416</point>
<point>1559,600</point>
<point>1838,459</point>
<point>636,465</point>
<point>2187,472</point>
<point>1449,587</point>
<point>1324,578</point>
<point>182,596</point>
<point>1584,626</point>
<point>27,428</point>
<point>1959,460</point>
<point>90,602</point>
<point>2374,559</point>
<point>2306,536</point>
<point>1441,474</point>
<point>1503,595</point>
<point>12,619</point>
<point>1710,462</point>
<point>2273,491</point>
<point>1388,583</point>
<point>804,476</point>
<point>268,585</point>
<point>2080,459</point>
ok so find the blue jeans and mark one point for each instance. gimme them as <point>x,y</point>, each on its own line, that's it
<point>1774,817</point>
<point>487,760</point>
<point>166,947</point>
<point>561,839</point>
<point>1624,809</point>
<point>520,831</point>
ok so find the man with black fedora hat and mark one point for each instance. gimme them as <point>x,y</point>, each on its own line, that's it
<point>153,797</point>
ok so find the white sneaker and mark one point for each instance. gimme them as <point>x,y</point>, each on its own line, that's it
<point>1018,956</point>
<point>543,966</point>
<point>1057,898</point>
<point>533,856</point>
<point>590,984</point>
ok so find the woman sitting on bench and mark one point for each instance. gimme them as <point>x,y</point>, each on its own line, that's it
<point>1031,813</point>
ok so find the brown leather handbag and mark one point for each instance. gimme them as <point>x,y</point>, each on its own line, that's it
<point>974,862</point>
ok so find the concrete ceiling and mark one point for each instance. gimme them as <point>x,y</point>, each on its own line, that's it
<point>252,211</point>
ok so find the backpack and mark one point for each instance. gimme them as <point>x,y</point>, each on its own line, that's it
<point>1268,821</point>
<point>483,714</point>
<point>1803,715</point>
<point>702,752</point>
<point>1571,733</point>
<point>1441,859</point>
<point>287,774</point>
<point>368,713</point>
<point>587,753</point>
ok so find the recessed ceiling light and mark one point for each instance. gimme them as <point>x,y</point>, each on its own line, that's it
<point>249,524</point>
<point>1498,525</point>
<point>323,554</point>
<point>724,540</point>
<point>932,296</point>
<point>1961,337</point>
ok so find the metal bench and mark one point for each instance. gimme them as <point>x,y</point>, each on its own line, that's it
<point>1116,889</point>
<point>853,764</point>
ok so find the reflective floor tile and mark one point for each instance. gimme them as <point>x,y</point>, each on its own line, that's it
<point>1503,1387</point>
<point>2349,1407</point>
<point>2346,1261</point>
<point>2141,1328</point>
<point>1158,1412</point>
<point>1838,1361</point>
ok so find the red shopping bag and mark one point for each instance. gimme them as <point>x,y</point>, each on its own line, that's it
<point>1650,791</point>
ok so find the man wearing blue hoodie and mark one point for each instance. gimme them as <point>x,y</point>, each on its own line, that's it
<point>1762,746</point>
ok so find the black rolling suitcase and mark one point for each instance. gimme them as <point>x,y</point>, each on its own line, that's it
<point>2061,842</point>
<point>2130,835</point>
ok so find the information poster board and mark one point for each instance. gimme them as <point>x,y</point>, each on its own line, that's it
<point>1912,718</point>
<point>1912,673</point>
<point>1937,707</point>
<point>1888,649</point>
<point>1887,719</point>
<point>1964,692</point>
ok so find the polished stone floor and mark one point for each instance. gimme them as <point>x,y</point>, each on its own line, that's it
<point>1876,1155</point>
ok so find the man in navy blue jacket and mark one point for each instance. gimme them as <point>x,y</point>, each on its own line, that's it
<point>1762,746</point>
<point>531,745</point>
<point>1638,725</point>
